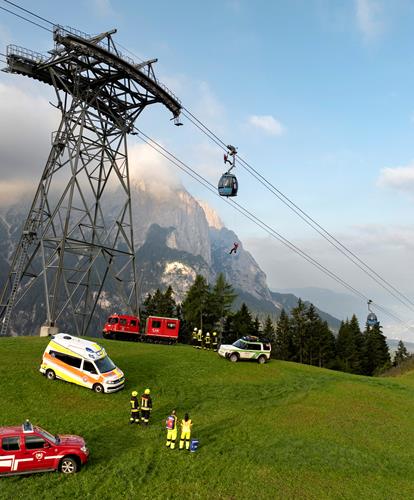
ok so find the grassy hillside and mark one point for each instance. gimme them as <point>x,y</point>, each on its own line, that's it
<point>280,430</point>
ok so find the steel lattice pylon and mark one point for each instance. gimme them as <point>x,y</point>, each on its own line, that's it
<point>75,240</point>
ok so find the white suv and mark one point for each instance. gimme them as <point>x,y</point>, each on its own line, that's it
<point>247,348</point>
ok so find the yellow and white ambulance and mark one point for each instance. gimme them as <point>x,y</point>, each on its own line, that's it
<point>81,362</point>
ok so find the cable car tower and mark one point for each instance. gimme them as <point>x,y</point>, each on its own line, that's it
<point>76,242</point>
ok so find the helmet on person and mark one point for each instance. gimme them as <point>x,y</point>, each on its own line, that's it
<point>147,391</point>
<point>134,394</point>
<point>214,334</point>
<point>195,329</point>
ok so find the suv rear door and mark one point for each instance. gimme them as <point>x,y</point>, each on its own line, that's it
<point>251,350</point>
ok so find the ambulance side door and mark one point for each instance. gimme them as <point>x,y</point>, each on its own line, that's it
<point>90,373</point>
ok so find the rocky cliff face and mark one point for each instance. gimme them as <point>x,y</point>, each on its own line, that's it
<point>174,208</point>
<point>176,237</point>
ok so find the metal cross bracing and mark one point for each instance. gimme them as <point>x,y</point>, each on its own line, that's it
<point>77,244</point>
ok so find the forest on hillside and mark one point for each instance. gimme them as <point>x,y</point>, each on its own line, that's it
<point>301,336</point>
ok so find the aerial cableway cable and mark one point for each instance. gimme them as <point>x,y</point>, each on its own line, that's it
<point>253,218</point>
<point>30,12</point>
<point>282,197</point>
<point>26,19</point>
<point>349,254</point>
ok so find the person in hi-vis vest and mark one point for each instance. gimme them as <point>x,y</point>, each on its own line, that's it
<point>171,425</point>
<point>185,432</point>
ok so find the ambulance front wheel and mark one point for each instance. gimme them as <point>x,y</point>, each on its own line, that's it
<point>98,388</point>
<point>50,374</point>
<point>234,358</point>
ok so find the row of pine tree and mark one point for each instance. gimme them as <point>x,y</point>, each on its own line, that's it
<point>302,336</point>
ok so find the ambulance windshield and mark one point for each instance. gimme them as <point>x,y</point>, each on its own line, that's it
<point>105,364</point>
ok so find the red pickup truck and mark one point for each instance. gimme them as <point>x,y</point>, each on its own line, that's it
<point>27,448</point>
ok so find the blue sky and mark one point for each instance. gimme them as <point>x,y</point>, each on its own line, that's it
<point>318,95</point>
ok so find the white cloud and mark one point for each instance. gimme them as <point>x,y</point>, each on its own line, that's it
<point>370,18</point>
<point>103,8</point>
<point>267,123</point>
<point>151,170</point>
<point>27,123</point>
<point>398,178</point>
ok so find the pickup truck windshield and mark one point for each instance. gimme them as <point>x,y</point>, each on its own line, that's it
<point>47,435</point>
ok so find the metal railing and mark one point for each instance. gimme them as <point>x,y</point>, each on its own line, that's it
<point>62,30</point>
<point>16,51</point>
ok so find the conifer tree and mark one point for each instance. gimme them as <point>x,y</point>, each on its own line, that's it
<point>376,355</point>
<point>257,326</point>
<point>298,323</point>
<point>282,346</point>
<point>357,340</point>
<point>242,323</point>
<point>269,329</point>
<point>325,345</point>
<point>312,336</point>
<point>220,301</point>
<point>167,306</point>
<point>195,303</point>
<point>401,354</point>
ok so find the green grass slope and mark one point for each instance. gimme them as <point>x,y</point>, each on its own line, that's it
<point>281,430</point>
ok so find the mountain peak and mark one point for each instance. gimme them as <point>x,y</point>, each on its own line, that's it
<point>212,216</point>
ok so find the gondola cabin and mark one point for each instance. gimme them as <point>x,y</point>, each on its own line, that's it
<point>372,319</point>
<point>228,185</point>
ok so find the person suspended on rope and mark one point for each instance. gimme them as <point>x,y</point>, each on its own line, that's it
<point>234,249</point>
<point>226,159</point>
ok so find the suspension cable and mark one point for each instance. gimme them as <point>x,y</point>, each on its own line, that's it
<point>256,220</point>
<point>307,218</point>
<point>25,19</point>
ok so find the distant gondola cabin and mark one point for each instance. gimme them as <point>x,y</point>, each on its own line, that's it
<point>372,319</point>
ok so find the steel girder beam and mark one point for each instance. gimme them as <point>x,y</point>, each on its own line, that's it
<point>76,242</point>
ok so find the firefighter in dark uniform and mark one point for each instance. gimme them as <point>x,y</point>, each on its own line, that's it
<point>194,338</point>
<point>207,341</point>
<point>215,341</point>
<point>134,418</point>
<point>199,339</point>
<point>171,425</point>
<point>146,406</point>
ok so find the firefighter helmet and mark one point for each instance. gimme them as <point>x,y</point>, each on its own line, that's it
<point>134,394</point>
<point>147,391</point>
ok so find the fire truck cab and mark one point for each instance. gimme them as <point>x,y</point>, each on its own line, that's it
<point>119,324</point>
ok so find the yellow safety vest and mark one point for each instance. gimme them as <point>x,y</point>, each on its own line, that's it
<point>186,425</point>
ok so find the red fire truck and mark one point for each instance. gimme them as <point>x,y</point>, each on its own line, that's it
<point>157,329</point>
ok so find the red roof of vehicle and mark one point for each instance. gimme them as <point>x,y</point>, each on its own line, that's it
<point>15,429</point>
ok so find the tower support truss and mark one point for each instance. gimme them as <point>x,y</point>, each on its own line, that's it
<point>77,245</point>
